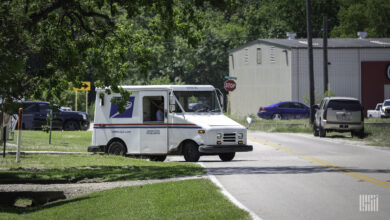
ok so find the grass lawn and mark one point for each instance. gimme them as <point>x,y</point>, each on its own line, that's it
<point>376,133</point>
<point>88,168</point>
<point>189,199</point>
<point>67,141</point>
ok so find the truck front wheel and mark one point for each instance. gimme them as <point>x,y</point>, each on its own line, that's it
<point>191,152</point>
<point>227,156</point>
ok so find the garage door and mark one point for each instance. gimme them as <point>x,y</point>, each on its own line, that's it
<point>387,91</point>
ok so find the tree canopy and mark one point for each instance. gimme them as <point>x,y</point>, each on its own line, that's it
<point>48,46</point>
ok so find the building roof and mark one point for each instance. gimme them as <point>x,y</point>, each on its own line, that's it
<point>334,43</point>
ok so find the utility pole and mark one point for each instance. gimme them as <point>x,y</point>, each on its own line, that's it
<point>325,47</point>
<point>310,54</point>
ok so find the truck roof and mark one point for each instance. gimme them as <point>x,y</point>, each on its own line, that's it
<point>166,87</point>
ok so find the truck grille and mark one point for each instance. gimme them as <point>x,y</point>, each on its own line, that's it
<point>229,137</point>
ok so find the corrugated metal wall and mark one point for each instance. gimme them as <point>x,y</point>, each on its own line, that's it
<point>259,84</point>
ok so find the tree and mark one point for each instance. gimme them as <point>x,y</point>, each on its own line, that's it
<point>372,16</point>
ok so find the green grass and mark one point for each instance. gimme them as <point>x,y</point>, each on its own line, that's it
<point>66,141</point>
<point>376,134</point>
<point>88,168</point>
<point>189,199</point>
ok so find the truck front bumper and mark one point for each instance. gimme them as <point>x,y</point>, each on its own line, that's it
<point>216,149</point>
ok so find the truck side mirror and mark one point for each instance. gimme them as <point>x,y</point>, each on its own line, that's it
<point>221,100</point>
<point>172,103</point>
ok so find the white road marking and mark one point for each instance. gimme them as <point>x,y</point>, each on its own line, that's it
<point>228,195</point>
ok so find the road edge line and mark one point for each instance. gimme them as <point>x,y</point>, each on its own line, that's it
<point>228,195</point>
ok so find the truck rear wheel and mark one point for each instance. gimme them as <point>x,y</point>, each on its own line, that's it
<point>116,148</point>
<point>71,126</point>
<point>316,133</point>
<point>227,156</point>
<point>322,132</point>
<point>191,152</point>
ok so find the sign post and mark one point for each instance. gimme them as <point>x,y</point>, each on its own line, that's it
<point>85,86</point>
<point>19,134</point>
<point>230,86</point>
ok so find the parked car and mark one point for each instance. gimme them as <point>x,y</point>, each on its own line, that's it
<point>341,114</point>
<point>284,110</point>
<point>385,110</point>
<point>376,113</point>
<point>35,115</point>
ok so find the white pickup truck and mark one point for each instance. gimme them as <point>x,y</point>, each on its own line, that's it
<point>385,110</point>
<point>376,113</point>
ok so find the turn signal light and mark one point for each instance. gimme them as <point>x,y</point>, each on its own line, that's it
<point>240,142</point>
<point>201,131</point>
<point>219,142</point>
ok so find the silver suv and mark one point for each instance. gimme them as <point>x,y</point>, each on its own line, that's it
<point>342,114</point>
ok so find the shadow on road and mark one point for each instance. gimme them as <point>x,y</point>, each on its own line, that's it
<point>286,170</point>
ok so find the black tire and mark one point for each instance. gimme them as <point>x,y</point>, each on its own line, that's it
<point>360,133</point>
<point>227,156</point>
<point>316,133</point>
<point>116,148</point>
<point>160,158</point>
<point>191,152</point>
<point>71,126</point>
<point>322,131</point>
<point>277,116</point>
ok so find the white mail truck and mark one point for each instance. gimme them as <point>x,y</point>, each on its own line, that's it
<point>166,120</point>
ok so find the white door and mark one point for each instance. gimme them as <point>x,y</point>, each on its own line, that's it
<point>387,91</point>
<point>154,135</point>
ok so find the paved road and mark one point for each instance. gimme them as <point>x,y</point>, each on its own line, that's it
<point>298,176</point>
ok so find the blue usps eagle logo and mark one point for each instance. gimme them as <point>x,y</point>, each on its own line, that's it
<point>114,113</point>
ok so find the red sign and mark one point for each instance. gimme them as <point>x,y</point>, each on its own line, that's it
<point>230,85</point>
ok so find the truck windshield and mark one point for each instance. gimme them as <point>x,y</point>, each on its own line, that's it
<point>197,101</point>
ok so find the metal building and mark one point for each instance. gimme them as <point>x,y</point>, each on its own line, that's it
<point>272,70</point>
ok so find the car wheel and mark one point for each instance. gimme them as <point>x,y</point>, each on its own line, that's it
<point>277,116</point>
<point>322,131</point>
<point>315,130</point>
<point>116,148</point>
<point>227,156</point>
<point>191,152</point>
<point>71,126</point>
<point>360,133</point>
<point>160,158</point>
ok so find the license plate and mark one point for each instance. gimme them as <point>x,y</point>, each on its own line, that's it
<point>343,118</point>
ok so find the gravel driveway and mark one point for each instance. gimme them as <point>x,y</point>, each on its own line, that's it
<point>75,189</point>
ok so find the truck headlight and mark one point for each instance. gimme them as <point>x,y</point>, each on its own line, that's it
<point>84,116</point>
<point>219,136</point>
<point>240,135</point>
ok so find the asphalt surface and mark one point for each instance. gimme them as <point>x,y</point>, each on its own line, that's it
<point>298,176</point>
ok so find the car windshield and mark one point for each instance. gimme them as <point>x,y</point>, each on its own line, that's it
<point>197,101</point>
<point>348,105</point>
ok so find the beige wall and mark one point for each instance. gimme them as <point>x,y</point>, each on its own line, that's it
<point>259,84</point>
<point>344,70</point>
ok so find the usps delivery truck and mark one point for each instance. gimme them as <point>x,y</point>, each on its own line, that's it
<point>166,120</point>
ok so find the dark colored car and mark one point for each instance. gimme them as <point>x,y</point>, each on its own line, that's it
<point>35,115</point>
<point>284,110</point>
